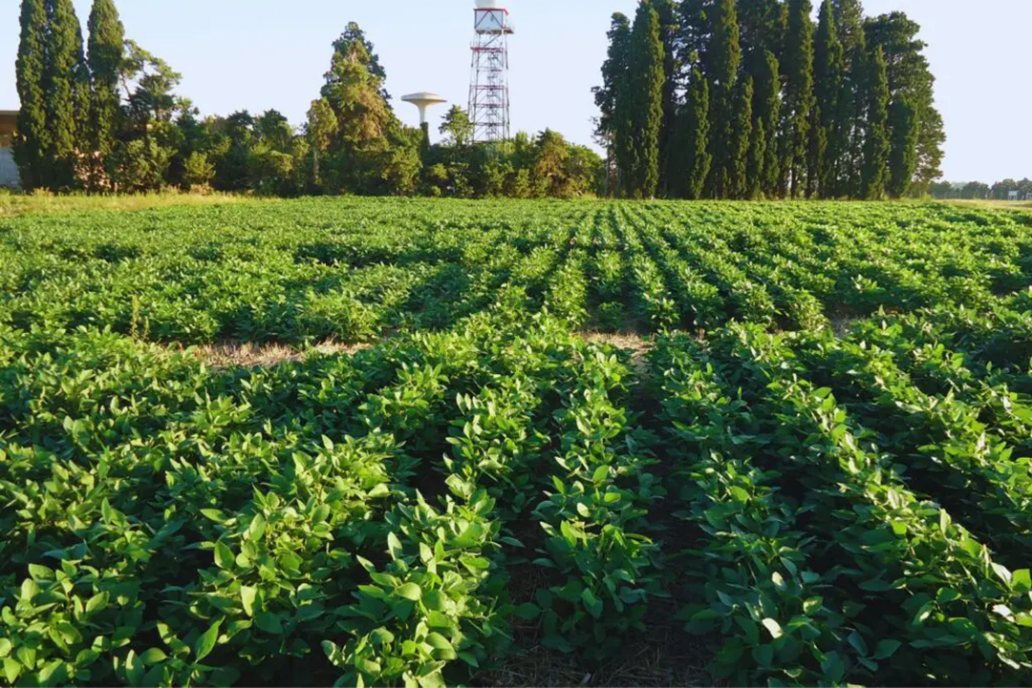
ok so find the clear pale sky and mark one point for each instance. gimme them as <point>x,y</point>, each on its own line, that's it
<point>259,54</point>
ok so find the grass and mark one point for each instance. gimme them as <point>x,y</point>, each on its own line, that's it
<point>12,204</point>
<point>993,205</point>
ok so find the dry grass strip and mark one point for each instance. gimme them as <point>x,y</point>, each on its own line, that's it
<point>225,355</point>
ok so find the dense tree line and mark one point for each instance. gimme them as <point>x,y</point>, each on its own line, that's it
<point>1000,191</point>
<point>749,99</point>
<point>104,116</point>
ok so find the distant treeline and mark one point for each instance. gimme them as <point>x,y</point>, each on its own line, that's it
<point>105,117</point>
<point>1000,191</point>
<point>750,99</point>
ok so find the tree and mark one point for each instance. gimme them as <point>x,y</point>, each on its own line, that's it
<point>32,139</point>
<point>763,24</point>
<point>198,171</point>
<point>829,132</point>
<point>905,130</point>
<point>697,139</point>
<point>876,136</point>
<point>766,114</point>
<point>849,27</point>
<point>742,131</point>
<point>756,160</point>
<point>799,96</point>
<point>150,138</point>
<point>457,128</point>
<point>909,76</point>
<point>725,58</point>
<point>322,126</point>
<point>370,152</point>
<point>666,10</point>
<point>612,96</point>
<point>66,93</point>
<point>645,113</point>
<point>353,34</point>
<point>105,56</point>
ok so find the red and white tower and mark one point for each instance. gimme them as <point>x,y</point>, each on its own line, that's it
<point>489,82</point>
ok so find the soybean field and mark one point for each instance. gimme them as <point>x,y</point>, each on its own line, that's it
<point>516,443</point>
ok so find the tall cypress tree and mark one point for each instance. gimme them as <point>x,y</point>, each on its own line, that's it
<point>66,88</point>
<point>32,139</point>
<point>697,137</point>
<point>905,127</point>
<point>646,90</point>
<point>724,58</point>
<point>742,131</point>
<point>849,26</point>
<point>767,110</point>
<point>799,96</point>
<point>612,99</point>
<point>106,52</point>
<point>757,158</point>
<point>666,10</point>
<point>876,135</point>
<point>829,66</point>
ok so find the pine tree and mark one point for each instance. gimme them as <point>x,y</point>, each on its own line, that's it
<point>66,88</point>
<point>829,66</point>
<point>612,100</point>
<point>799,96</point>
<point>105,57</point>
<point>697,119</point>
<point>646,91</point>
<point>738,169</point>
<point>767,110</point>
<point>876,135</point>
<point>724,58</point>
<point>905,128</point>
<point>32,139</point>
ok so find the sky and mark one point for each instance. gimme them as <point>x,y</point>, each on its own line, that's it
<point>260,54</point>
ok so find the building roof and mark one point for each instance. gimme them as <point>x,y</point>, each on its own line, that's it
<point>8,120</point>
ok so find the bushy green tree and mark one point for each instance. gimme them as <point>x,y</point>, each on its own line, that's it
<point>645,111</point>
<point>876,135</point>
<point>456,127</point>
<point>105,56</point>
<point>910,78</point>
<point>150,139</point>
<point>32,139</point>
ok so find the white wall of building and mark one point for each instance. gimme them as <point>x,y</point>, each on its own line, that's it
<point>8,170</point>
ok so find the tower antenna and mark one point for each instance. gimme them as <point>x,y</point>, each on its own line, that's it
<point>489,81</point>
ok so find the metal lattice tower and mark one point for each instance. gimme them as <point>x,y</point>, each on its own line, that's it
<point>489,82</point>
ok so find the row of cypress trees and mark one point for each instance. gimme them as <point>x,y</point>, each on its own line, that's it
<point>750,99</point>
<point>69,98</point>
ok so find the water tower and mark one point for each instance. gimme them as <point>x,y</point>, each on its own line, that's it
<point>489,83</point>
<point>424,101</point>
